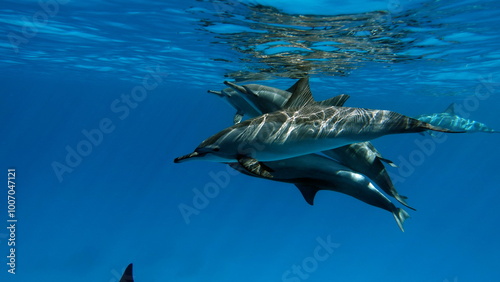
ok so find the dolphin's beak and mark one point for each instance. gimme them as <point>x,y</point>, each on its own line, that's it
<point>218,93</point>
<point>238,88</point>
<point>187,157</point>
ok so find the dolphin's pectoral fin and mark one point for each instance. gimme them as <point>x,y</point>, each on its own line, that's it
<point>255,167</point>
<point>337,101</point>
<point>387,161</point>
<point>127,275</point>
<point>237,117</point>
<point>402,200</point>
<point>308,192</point>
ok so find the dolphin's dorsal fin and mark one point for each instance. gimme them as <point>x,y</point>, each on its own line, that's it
<point>127,275</point>
<point>301,95</point>
<point>337,101</point>
<point>451,109</point>
<point>308,192</point>
<point>293,87</point>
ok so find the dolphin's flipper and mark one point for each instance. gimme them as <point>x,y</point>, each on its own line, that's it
<point>402,200</point>
<point>127,275</point>
<point>237,118</point>
<point>254,166</point>
<point>308,192</point>
<point>389,162</point>
<point>400,216</point>
<point>337,101</point>
<point>218,93</point>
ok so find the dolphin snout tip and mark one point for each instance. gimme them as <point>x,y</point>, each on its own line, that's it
<point>186,157</point>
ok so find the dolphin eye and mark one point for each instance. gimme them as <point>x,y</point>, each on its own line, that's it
<point>216,149</point>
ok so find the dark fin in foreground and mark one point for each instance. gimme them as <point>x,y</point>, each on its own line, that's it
<point>301,96</point>
<point>451,109</point>
<point>255,167</point>
<point>308,192</point>
<point>127,275</point>
<point>337,101</point>
<point>400,216</point>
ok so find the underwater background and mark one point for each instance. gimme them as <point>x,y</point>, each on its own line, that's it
<point>99,97</point>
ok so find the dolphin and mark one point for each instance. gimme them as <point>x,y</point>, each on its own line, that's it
<point>362,157</point>
<point>242,105</point>
<point>365,158</point>
<point>254,99</point>
<point>264,98</point>
<point>312,173</point>
<point>127,275</point>
<point>449,119</point>
<point>302,127</point>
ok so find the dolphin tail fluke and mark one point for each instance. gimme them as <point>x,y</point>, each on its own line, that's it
<point>400,215</point>
<point>402,200</point>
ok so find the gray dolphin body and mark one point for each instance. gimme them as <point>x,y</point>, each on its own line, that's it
<point>365,158</point>
<point>449,119</point>
<point>301,128</point>
<point>264,98</point>
<point>312,173</point>
<point>242,105</point>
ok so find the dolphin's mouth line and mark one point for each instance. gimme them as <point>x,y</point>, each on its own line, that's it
<point>188,156</point>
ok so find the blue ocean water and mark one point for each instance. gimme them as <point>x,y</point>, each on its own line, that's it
<point>99,97</point>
